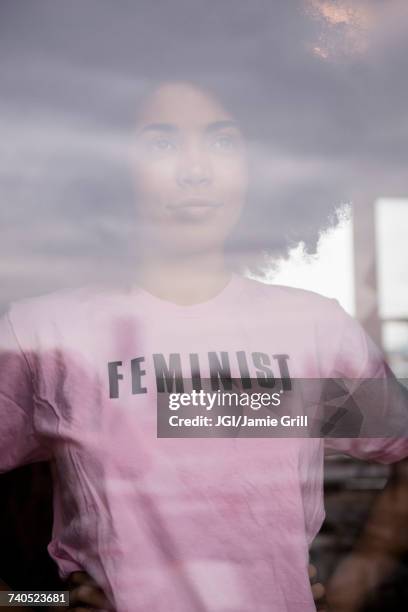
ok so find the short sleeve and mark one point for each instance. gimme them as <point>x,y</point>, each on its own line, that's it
<point>19,442</point>
<point>375,393</point>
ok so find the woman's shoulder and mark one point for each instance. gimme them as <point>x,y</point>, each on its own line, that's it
<point>59,307</point>
<point>58,298</point>
<point>291,298</point>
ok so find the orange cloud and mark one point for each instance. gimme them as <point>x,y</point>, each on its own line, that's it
<point>345,24</point>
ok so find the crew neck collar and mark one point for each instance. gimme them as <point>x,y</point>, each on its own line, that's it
<point>223,299</point>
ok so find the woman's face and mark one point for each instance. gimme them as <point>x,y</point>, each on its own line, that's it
<point>190,169</point>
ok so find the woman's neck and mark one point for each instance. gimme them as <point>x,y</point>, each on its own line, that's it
<point>185,280</point>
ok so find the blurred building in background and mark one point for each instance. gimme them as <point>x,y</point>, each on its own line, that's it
<point>381,305</point>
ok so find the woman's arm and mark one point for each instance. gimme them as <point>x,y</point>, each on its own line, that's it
<point>378,550</point>
<point>84,591</point>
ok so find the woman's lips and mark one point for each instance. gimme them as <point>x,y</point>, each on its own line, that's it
<point>194,203</point>
<point>194,210</point>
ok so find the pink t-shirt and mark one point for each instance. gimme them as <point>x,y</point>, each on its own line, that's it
<point>186,524</point>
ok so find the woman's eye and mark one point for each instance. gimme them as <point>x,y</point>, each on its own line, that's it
<point>225,143</point>
<point>162,145</point>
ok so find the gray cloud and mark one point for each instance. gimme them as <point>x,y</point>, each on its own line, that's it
<point>71,71</point>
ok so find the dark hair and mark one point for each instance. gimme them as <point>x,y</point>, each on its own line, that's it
<point>276,217</point>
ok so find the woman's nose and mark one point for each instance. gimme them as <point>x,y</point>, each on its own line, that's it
<point>194,169</point>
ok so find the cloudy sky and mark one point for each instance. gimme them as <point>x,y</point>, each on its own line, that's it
<point>327,79</point>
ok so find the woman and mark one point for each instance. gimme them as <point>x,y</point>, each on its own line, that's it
<point>199,522</point>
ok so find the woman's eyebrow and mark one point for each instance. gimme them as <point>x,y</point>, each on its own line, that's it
<point>159,127</point>
<point>171,128</point>
<point>221,125</point>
